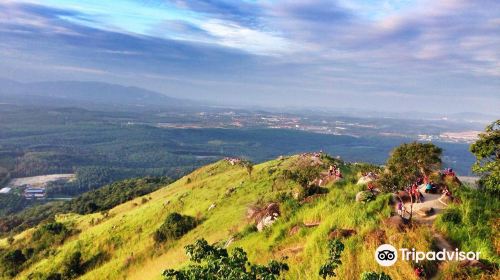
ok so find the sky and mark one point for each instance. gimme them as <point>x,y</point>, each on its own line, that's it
<point>395,56</point>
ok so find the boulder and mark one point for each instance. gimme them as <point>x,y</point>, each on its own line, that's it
<point>395,222</point>
<point>364,196</point>
<point>294,230</point>
<point>425,211</point>
<point>266,221</point>
<point>364,180</point>
<point>264,217</point>
<point>403,195</point>
<point>341,233</point>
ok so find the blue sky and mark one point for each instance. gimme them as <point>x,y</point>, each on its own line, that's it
<point>381,55</point>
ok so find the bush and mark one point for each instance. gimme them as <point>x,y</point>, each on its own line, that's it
<point>11,262</point>
<point>371,275</point>
<point>335,248</point>
<point>72,266</point>
<point>452,215</point>
<point>175,226</point>
<point>213,262</point>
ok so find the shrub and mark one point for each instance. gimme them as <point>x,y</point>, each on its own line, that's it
<point>175,226</point>
<point>213,262</point>
<point>371,275</point>
<point>335,248</point>
<point>452,215</point>
<point>11,262</point>
<point>72,266</point>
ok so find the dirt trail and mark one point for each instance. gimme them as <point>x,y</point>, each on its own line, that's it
<point>434,201</point>
<point>429,201</point>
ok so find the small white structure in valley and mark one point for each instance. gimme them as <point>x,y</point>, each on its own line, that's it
<point>5,190</point>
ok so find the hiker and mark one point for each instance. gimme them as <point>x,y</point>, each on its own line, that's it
<point>428,188</point>
<point>419,272</point>
<point>371,187</point>
<point>338,174</point>
<point>446,191</point>
<point>400,208</point>
<point>415,193</point>
<point>330,171</point>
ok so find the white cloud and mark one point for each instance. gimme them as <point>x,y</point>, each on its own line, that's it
<point>251,40</point>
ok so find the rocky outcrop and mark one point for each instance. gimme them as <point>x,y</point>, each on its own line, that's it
<point>265,216</point>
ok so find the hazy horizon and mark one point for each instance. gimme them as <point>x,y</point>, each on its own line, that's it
<point>395,56</point>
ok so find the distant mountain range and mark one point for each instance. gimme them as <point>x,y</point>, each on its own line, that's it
<point>75,93</point>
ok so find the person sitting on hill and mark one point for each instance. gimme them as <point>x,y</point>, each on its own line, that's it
<point>446,191</point>
<point>371,187</point>
<point>419,272</point>
<point>429,188</point>
<point>338,173</point>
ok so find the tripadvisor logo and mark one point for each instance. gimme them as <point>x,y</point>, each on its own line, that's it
<point>387,255</point>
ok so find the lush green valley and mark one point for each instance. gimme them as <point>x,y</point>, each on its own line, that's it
<point>220,201</point>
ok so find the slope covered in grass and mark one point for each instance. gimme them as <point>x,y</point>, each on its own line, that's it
<point>119,243</point>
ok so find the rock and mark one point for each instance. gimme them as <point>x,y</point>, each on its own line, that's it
<point>364,196</point>
<point>264,217</point>
<point>425,211</point>
<point>229,242</point>
<point>395,222</point>
<point>403,195</point>
<point>211,206</point>
<point>341,233</point>
<point>265,222</point>
<point>446,199</point>
<point>230,191</point>
<point>364,180</point>
<point>312,224</point>
<point>294,230</point>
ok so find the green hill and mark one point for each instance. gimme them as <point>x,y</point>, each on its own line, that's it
<point>120,244</point>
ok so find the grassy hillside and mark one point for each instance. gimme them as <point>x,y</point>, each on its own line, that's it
<point>119,244</point>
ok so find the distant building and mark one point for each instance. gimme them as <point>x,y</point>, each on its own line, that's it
<point>34,193</point>
<point>5,190</point>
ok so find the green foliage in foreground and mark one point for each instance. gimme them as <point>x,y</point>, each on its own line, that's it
<point>12,261</point>
<point>374,276</point>
<point>473,223</point>
<point>213,262</point>
<point>175,226</point>
<point>102,199</point>
<point>487,152</point>
<point>335,248</point>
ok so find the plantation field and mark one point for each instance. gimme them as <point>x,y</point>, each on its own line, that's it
<point>38,181</point>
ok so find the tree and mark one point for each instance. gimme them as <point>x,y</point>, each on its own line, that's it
<point>214,262</point>
<point>335,248</point>
<point>487,152</point>
<point>371,275</point>
<point>409,162</point>
<point>249,166</point>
